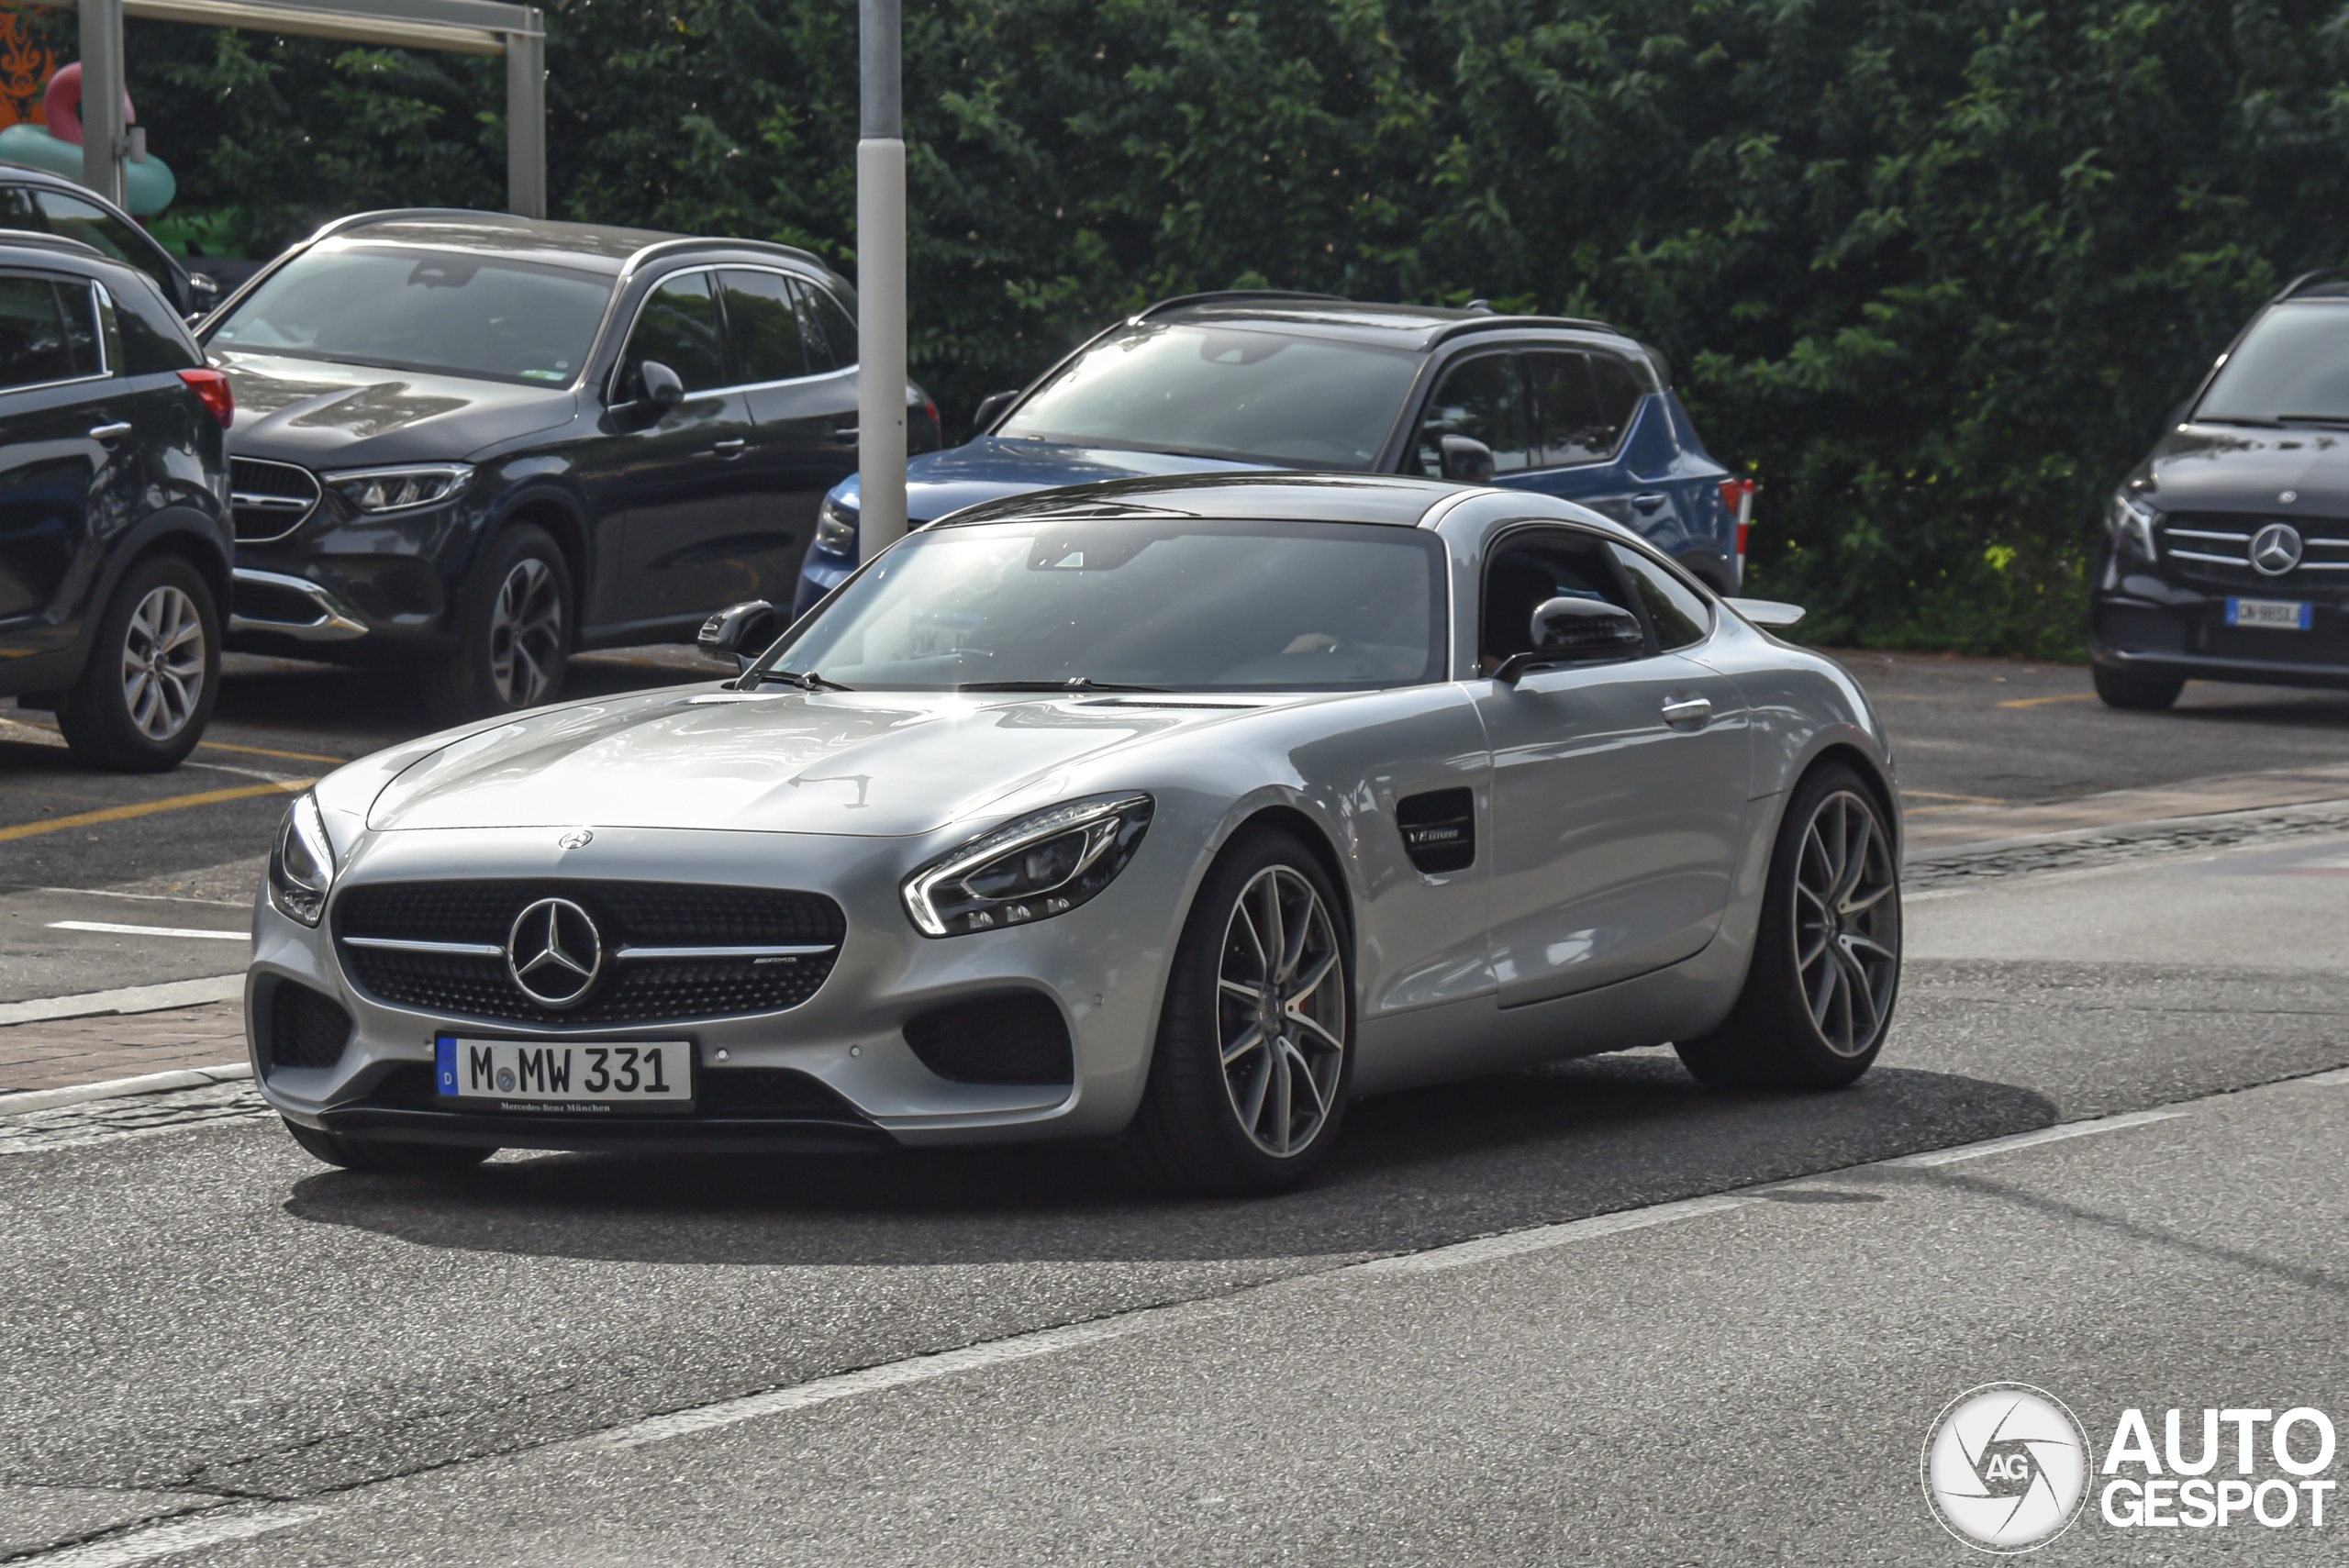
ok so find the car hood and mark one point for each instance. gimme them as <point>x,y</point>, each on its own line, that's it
<point>321,415</point>
<point>844,762</point>
<point>988,469</point>
<point>2238,468</point>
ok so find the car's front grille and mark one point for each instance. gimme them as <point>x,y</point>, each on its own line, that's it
<point>270,500</point>
<point>406,943</point>
<point>2215,547</point>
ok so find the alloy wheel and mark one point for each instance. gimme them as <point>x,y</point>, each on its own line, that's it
<point>1846,923</point>
<point>162,663</point>
<point>525,633</point>
<point>1281,1012</point>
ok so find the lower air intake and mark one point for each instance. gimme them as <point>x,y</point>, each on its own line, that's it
<point>1018,1038</point>
<point>305,1029</point>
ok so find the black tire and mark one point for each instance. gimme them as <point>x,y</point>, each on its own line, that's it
<point>513,631</point>
<point>1779,1035</point>
<point>142,701</point>
<point>2119,688</point>
<point>368,1155</point>
<point>1207,1125</point>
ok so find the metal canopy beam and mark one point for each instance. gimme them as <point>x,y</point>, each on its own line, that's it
<point>463,26</point>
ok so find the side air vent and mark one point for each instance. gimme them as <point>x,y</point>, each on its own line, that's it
<point>305,1029</point>
<point>1018,1038</point>
<point>1439,829</point>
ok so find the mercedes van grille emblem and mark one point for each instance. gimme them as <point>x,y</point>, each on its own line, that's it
<point>554,952</point>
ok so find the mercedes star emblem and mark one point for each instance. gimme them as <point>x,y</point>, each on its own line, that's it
<point>554,952</point>
<point>577,838</point>
<point>2288,496</point>
<point>2275,550</point>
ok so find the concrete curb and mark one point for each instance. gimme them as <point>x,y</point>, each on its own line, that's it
<point>114,1088</point>
<point>126,999</point>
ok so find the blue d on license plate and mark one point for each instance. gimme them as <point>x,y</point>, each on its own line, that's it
<point>2284,614</point>
<point>596,1077</point>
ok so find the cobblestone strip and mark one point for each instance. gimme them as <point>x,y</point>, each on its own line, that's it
<point>131,1116</point>
<point>2141,841</point>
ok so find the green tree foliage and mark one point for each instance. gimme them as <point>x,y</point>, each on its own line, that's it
<point>1934,271</point>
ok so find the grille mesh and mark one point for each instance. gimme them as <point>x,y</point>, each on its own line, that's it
<point>627,914</point>
<point>305,1029</point>
<point>270,499</point>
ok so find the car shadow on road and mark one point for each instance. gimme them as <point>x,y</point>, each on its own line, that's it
<point>1416,1170</point>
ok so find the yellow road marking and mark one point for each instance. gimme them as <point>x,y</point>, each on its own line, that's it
<point>2041,702</point>
<point>214,746</point>
<point>150,808</point>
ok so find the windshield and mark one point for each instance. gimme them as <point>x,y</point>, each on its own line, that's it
<point>1231,392</point>
<point>445,311</point>
<point>1188,604</point>
<point>2294,364</point>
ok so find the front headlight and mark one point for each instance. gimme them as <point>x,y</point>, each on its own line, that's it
<point>2132,525</point>
<point>397,489</point>
<point>1031,868</point>
<point>301,866</point>
<point>836,528</point>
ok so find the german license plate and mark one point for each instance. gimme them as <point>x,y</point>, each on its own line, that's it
<point>2286,615</point>
<point>516,1075</point>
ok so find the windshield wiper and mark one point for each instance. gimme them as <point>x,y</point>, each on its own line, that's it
<point>2313,419</point>
<point>2236,420</point>
<point>1072,683</point>
<point>810,682</point>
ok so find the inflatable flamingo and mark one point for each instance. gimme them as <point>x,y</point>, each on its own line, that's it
<point>148,188</point>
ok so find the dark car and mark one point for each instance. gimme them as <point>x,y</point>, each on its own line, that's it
<point>115,543</point>
<point>37,202</point>
<point>2226,553</point>
<point>1258,380</point>
<point>468,444</point>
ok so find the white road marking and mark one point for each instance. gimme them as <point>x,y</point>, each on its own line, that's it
<point>27,1100</point>
<point>1485,1248</point>
<point>126,999</point>
<point>2030,1139</point>
<point>114,928</point>
<point>2339,1076</point>
<point>149,897</point>
<point>184,1535</point>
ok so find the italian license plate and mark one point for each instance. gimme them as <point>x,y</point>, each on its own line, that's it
<point>592,1078</point>
<point>2286,615</point>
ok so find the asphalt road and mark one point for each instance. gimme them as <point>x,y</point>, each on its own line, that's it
<point>202,1325</point>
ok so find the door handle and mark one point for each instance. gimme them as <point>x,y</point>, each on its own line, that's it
<point>845,434</point>
<point>1686,710</point>
<point>733,446</point>
<point>115,431</point>
<point>1649,501</point>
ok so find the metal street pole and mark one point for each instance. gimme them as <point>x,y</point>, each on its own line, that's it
<point>880,281</point>
<point>101,86</point>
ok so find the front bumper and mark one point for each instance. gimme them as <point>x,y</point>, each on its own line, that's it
<point>1103,970</point>
<point>2156,626</point>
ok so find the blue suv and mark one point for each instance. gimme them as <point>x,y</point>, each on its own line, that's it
<point>1234,381</point>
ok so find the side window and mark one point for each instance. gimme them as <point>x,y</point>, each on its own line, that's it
<point>1567,421</point>
<point>1676,611</point>
<point>17,210</point>
<point>831,329</point>
<point>77,304</point>
<point>77,220</point>
<point>33,344</point>
<point>763,325</point>
<point>1619,392</point>
<point>678,326</point>
<point>143,337</point>
<point>1528,572</point>
<point>1483,399</point>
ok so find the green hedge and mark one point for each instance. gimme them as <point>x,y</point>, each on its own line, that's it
<point>1934,272</point>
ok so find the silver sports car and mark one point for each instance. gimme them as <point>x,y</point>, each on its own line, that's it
<point>1173,813</point>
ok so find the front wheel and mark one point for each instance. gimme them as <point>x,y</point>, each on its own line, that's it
<point>1826,967</point>
<point>2120,688</point>
<point>154,674</point>
<point>1255,1042</point>
<point>513,631</point>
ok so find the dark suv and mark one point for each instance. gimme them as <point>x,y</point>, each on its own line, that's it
<point>468,444</point>
<point>113,505</point>
<point>2226,553</point>
<point>1263,379</point>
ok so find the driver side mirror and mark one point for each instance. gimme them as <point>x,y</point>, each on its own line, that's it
<point>1467,459</point>
<point>658,387</point>
<point>740,631</point>
<point>1577,631</point>
<point>992,408</point>
<point>203,294</point>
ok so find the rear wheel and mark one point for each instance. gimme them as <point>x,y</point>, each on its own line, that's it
<point>369,1154</point>
<point>154,673</point>
<point>513,631</point>
<point>1826,968</point>
<point>2119,688</point>
<point>1255,1053</point>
